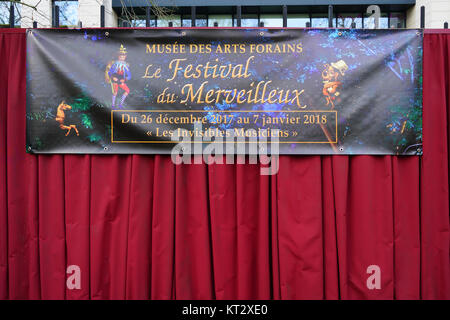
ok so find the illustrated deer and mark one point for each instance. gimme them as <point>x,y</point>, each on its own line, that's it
<point>60,117</point>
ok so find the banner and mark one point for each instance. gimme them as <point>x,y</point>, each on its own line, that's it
<point>295,91</point>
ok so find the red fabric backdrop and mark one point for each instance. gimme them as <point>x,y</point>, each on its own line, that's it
<point>140,227</point>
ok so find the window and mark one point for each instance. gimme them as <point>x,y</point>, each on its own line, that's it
<point>271,20</point>
<point>164,21</point>
<point>397,20</point>
<point>140,22</point>
<point>200,21</point>
<point>4,14</point>
<point>186,21</point>
<point>248,20</point>
<point>298,20</point>
<point>253,16</point>
<point>68,13</point>
<point>222,20</point>
<point>320,20</point>
<point>345,20</point>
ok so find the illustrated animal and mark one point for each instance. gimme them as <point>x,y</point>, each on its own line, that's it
<point>60,117</point>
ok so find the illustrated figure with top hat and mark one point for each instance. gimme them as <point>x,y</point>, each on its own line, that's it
<point>117,73</point>
<point>331,81</point>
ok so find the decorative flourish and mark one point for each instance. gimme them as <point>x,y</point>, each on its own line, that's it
<point>61,116</point>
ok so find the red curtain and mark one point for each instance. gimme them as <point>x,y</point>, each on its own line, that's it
<point>140,227</point>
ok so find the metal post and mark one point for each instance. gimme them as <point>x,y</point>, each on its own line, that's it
<point>238,15</point>
<point>308,24</point>
<point>445,25</point>
<point>102,16</point>
<point>34,24</point>
<point>422,17</point>
<point>330,16</point>
<point>11,15</point>
<point>284,16</point>
<point>80,24</point>
<point>193,15</point>
<point>56,16</point>
<point>147,17</point>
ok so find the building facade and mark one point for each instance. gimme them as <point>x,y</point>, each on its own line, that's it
<point>229,13</point>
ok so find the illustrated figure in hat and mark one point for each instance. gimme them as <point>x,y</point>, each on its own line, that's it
<point>117,73</point>
<point>330,78</point>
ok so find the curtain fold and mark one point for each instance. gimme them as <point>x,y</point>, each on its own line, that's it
<point>140,227</point>
<point>434,215</point>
